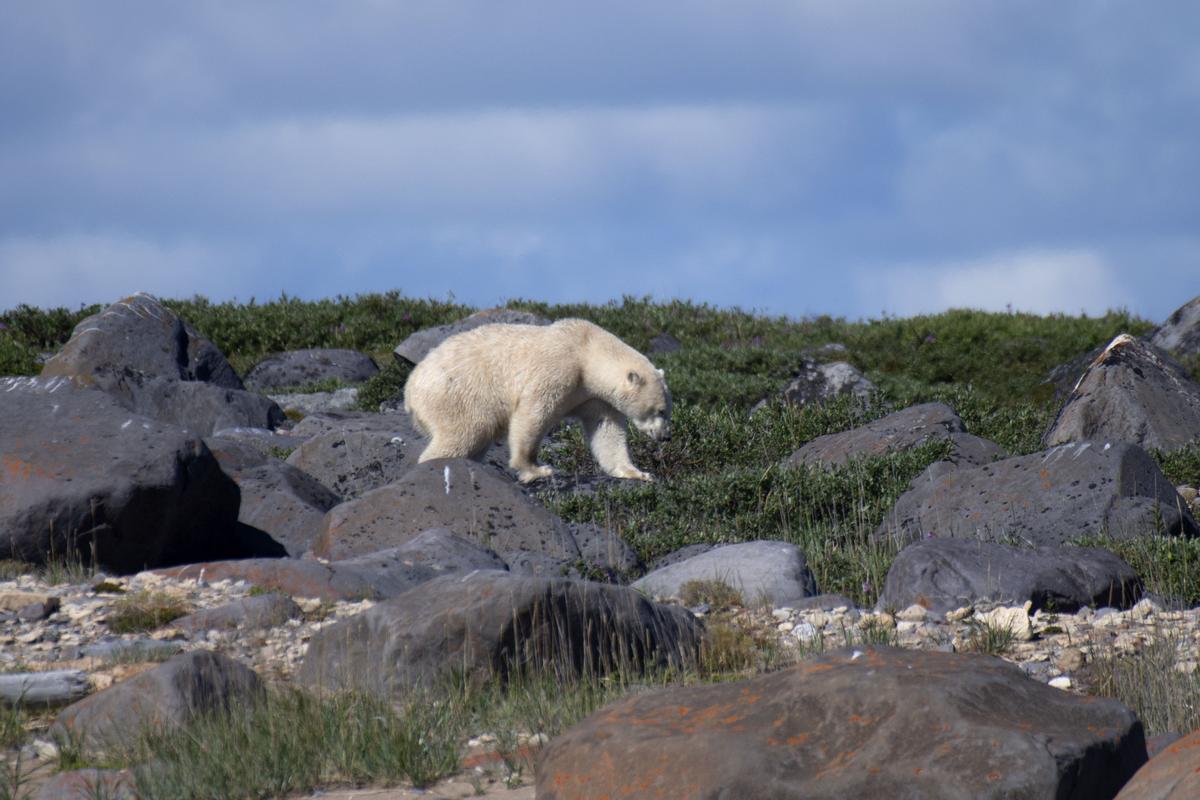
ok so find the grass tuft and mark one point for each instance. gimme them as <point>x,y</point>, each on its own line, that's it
<point>144,611</point>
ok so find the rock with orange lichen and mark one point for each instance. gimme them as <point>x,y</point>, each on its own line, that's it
<point>876,723</point>
<point>81,474</point>
<point>1173,774</point>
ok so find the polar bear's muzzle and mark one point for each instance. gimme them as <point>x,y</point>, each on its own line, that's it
<point>657,428</point>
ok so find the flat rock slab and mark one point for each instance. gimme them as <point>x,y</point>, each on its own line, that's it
<point>291,576</point>
<point>295,368</point>
<point>875,723</point>
<point>945,574</point>
<point>1173,774</point>
<point>1133,392</point>
<point>774,573</point>
<point>902,430</point>
<point>189,684</point>
<point>418,345</point>
<point>51,688</point>
<point>354,454</point>
<point>489,623</point>
<point>80,473</point>
<point>465,497</point>
<point>1047,498</point>
<point>257,612</point>
<point>1180,334</point>
<point>140,334</point>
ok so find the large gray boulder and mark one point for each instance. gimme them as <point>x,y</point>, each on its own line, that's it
<point>200,407</point>
<point>159,366</point>
<point>1134,393</point>
<point>873,723</point>
<point>188,685</point>
<point>945,574</point>
<point>140,334</point>
<point>80,474</point>
<point>495,624</point>
<point>1048,498</point>
<point>774,573</point>
<point>278,499</point>
<point>295,368</point>
<point>469,499</point>
<point>901,430</point>
<point>353,454</point>
<point>418,345</point>
<point>1172,774</point>
<point>1180,334</point>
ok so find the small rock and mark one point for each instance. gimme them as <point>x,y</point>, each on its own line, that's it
<point>914,613</point>
<point>959,614</point>
<point>805,632</point>
<point>1071,659</point>
<point>1014,619</point>
<point>1061,682</point>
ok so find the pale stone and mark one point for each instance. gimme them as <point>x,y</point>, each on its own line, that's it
<point>1061,682</point>
<point>914,613</point>
<point>959,614</point>
<point>1071,659</point>
<point>1013,618</point>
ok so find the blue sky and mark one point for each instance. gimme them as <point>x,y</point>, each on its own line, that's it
<point>798,158</point>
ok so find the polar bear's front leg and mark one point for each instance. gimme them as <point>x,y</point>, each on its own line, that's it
<point>606,430</point>
<point>525,434</point>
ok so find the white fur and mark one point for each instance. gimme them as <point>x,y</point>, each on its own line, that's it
<point>521,380</point>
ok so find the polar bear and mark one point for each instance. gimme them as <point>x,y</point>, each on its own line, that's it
<point>522,380</point>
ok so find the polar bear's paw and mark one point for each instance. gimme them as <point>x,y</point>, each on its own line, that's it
<point>529,474</point>
<point>634,474</point>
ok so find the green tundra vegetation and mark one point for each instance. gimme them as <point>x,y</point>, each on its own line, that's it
<point>719,476</point>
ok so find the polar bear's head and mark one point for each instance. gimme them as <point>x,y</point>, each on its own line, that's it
<point>649,402</point>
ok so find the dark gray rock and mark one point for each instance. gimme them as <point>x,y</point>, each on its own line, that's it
<point>418,345</point>
<point>281,500</point>
<point>602,548</point>
<point>945,574</point>
<point>169,695</point>
<point>142,335</point>
<point>297,368</point>
<point>253,445</point>
<point>1064,377</point>
<point>665,343</point>
<point>1047,498</point>
<point>428,555</point>
<point>1180,334</point>
<point>816,383</point>
<point>491,623</point>
<point>467,498</point>
<point>871,723</point>
<point>357,453</point>
<point>196,406</point>
<point>1133,392</point>
<point>256,612</point>
<point>774,573</point>
<point>901,430</point>
<point>82,474</point>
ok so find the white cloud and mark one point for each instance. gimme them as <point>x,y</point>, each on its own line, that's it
<point>1037,281</point>
<point>100,268</point>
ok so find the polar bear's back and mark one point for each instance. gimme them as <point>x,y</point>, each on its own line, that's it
<point>480,374</point>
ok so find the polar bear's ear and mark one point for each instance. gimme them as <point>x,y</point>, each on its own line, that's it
<point>661,374</point>
<point>634,378</point>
